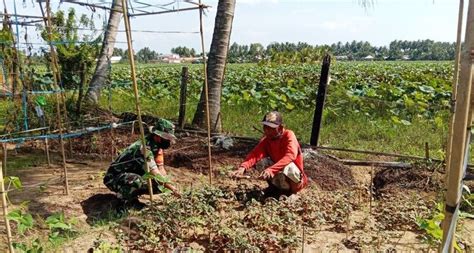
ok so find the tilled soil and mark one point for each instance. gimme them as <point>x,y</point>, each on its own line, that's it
<point>352,219</point>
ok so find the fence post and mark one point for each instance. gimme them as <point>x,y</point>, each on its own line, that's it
<point>318,113</point>
<point>4,201</point>
<point>182,97</point>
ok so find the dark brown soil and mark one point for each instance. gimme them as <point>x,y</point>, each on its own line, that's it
<point>327,173</point>
<point>191,152</point>
<point>390,180</point>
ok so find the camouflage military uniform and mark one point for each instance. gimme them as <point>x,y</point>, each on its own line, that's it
<point>124,175</point>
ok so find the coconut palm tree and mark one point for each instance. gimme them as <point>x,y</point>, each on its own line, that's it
<point>102,68</point>
<point>216,66</point>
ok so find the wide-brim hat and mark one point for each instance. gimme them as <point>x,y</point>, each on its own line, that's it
<point>164,128</point>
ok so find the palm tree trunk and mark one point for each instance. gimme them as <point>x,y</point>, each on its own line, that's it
<point>81,89</point>
<point>216,66</point>
<point>101,71</point>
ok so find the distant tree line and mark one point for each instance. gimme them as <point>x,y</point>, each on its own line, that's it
<point>303,52</point>
<point>146,55</point>
<point>355,50</point>
<point>397,50</point>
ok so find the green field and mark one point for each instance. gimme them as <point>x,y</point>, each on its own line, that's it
<point>379,106</point>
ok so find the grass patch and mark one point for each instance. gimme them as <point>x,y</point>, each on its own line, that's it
<point>356,130</point>
<point>24,161</point>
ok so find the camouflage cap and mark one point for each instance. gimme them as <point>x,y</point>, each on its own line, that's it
<point>164,128</point>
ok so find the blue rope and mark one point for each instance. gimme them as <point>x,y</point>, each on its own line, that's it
<point>64,136</point>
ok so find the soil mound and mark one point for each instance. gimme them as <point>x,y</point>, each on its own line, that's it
<point>326,172</point>
<point>420,178</point>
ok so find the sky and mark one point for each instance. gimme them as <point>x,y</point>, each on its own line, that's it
<point>265,21</point>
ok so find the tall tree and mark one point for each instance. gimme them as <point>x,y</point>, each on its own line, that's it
<point>146,55</point>
<point>216,66</point>
<point>102,68</point>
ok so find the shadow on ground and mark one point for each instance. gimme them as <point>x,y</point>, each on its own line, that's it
<point>100,207</point>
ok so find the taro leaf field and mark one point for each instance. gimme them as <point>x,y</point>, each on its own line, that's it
<point>384,106</point>
<point>380,106</point>
<point>399,91</point>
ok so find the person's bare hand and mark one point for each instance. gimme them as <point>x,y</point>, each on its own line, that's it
<point>238,173</point>
<point>265,175</point>
<point>177,193</point>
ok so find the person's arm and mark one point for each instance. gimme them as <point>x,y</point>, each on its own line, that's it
<point>253,157</point>
<point>160,170</point>
<point>157,167</point>
<point>291,151</point>
<point>257,154</point>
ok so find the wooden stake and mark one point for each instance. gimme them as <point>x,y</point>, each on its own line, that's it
<point>4,201</point>
<point>454,86</point>
<point>55,81</point>
<point>321,96</point>
<point>370,188</point>
<point>206,91</point>
<point>126,18</point>
<point>55,66</point>
<point>182,97</point>
<point>46,145</point>
<point>4,163</point>
<point>460,132</point>
<point>427,150</point>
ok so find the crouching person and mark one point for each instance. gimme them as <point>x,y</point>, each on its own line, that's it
<point>280,153</point>
<point>125,174</point>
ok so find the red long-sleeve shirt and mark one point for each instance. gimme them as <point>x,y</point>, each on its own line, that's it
<point>282,151</point>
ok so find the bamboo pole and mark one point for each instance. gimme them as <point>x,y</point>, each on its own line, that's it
<point>4,158</point>
<point>55,65</point>
<point>48,157</point>
<point>4,201</point>
<point>126,18</point>
<point>206,91</point>
<point>454,86</point>
<point>460,131</point>
<point>182,97</point>
<point>58,108</point>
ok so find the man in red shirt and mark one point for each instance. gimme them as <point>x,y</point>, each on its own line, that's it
<point>284,167</point>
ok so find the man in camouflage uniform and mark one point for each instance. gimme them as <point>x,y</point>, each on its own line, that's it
<point>125,174</point>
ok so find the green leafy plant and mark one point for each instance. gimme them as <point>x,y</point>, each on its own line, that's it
<point>161,180</point>
<point>432,226</point>
<point>101,246</point>
<point>60,228</point>
<point>24,221</point>
<point>34,247</point>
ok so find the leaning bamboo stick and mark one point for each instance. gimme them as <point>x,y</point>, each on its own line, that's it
<point>206,91</point>
<point>461,131</point>
<point>4,163</point>
<point>454,85</point>
<point>55,81</point>
<point>4,202</point>
<point>126,18</point>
